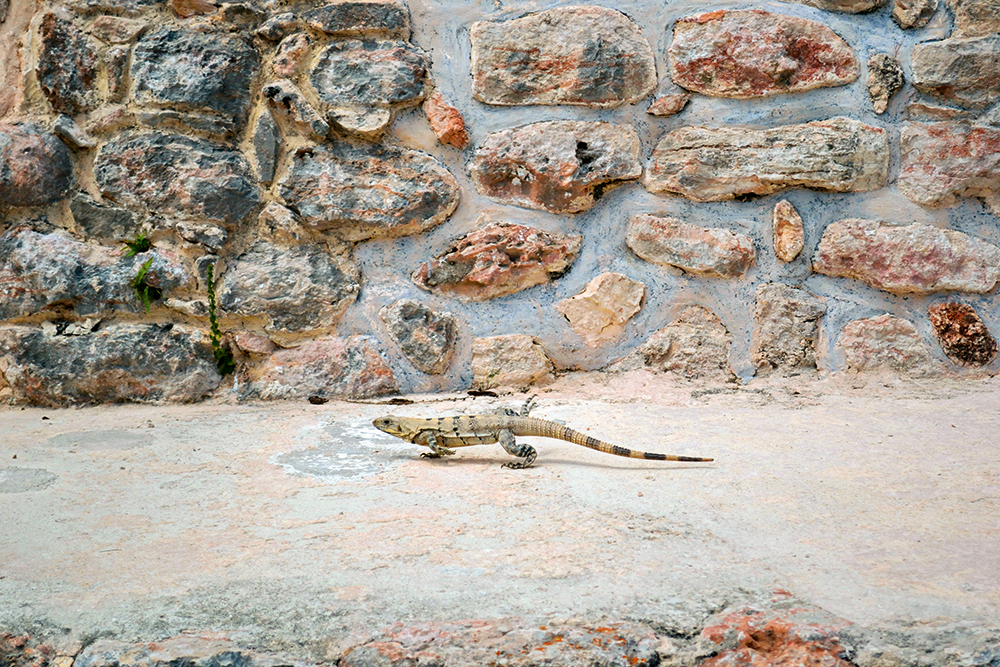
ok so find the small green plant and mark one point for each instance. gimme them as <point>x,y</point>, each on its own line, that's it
<point>223,357</point>
<point>140,245</point>
<point>145,292</point>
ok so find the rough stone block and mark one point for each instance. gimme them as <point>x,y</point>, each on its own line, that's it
<point>975,18</point>
<point>887,343</point>
<point>580,55</point>
<point>361,18</point>
<point>668,105</point>
<point>703,251</point>
<point>425,336</point>
<point>117,7</point>
<point>885,78</point>
<point>964,70</point>
<point>287,100</point>
<point>703,164</point>
<point>67,66</point>
<point>35,166</point>
<point>381,73</point>
<point>907,259</point>
<point>107,224</point>
<point>940,162</point>
<point>499,258</point>
<point>187,8</point>
<point>512,362</point>
<point>266,142</point>
<point>913,13</point>
<point>558,166</point>
<point>292,51</point>
<point>846,6</point>
<point>712,54</point>
<point>446,121</point>
<point>962,334</point>
<point>599,313</point>
<point>786,328</point>
<point>117,29</point>
<point>789,235</point>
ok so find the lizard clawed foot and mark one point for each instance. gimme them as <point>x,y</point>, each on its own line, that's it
<point>438,453</point>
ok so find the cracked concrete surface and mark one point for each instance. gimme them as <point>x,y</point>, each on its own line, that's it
<point>301,528</point>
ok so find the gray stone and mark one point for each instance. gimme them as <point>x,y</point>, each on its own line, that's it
<point>279,26</point>
<point>580,55</point>
<point>122,363</point>
<point>191,70</point>
<point>497,259</point>
<point>361,18</point>
<point>116,65</point>
<point>190,650</point>
<point>786,329</point>
<point>173,174</point>
<point>336,368</point>
<point>379,73</point>
<point>561,166</point>
<point>185,121</point>
<point>703,251</point>
<point>694,346</point>
<point>361,192</point>
<point>941,162</point>
<point>71,133</point>
<point>266,142</point>
<point>364,123</point>
<point>846,6</point>
<point>281,225</point>
<point>885,78</point>
<point>118,7</point>
<point>303,288</point>
<point>425,336</point>
<point>913,13</point>
<point>40,272</point>
<point>711,54</point>
<point>292,51</point>
<point>117,29</point>
<point>907,259</point>
<point>206,234</point>
<point>107,224</point>
<point>510,363</point>
<point>35,166</point>
<point>714,164</point>
<point>887,343</point>
<point>67,66</point>
<point>963,70</point>
<point>287,100</point>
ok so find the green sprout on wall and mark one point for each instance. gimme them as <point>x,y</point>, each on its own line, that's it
<point>223,357</point>
<point>145,292</point>
<point>140,245</point>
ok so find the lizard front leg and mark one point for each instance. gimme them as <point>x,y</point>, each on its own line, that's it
<point>437,451</point>
<point>509,443</point>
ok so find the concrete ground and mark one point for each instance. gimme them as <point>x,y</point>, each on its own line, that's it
<point>301,528</point>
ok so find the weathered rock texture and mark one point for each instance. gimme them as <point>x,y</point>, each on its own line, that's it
<point>582,55</point>
<point>910,259</point>
<point>426,337</point>
<point>135,363</point>
<point>789,236</point>
<point>752,53</point>
<point>188,649</point>
<point>599,313</point>
<point>964,70</point>
<point>67,66</point>
<point>703,251</point>
<point>913,13</point>
<point>885,78</point>
<point>694,346</point>
<point>940,162</point>
<point>974,18</point>
<point>837,155</point>
<point>288,101</point>
<point>557,166</point>
<point>382,73</point>
<point>847,6</point>
<point>786,328</point>
<point>887,343</point>
<point>512,362</point>
<point>35,166</point>
<point>336,368</point>
<point>446,121</point>
<point>963,334</point>
<point>361,18</point>
<point>304,288</point>
<point>499,258</point>
<point>668,105</point>
<point>360,192</point>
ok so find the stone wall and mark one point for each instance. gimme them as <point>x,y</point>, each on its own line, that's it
<point>447,194</point>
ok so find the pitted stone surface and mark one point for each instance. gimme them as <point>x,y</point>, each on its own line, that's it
<point>907,259</point>
<point>962,70</point>
<point>133,363</point>
<point>786,328</point>
<point>887,343</point>
<point>361,192</point>
<point>304,288</point>
<point>339,367</point>
<point>48,271</point>
<point>67,66</point>
<point>962,334</point>
<point>559,166</point>
<point>371,73</point>
<point>499,258</point>
<point>789,235</point>
<point>108,224</point>
<point>35,166</point>
<point>191,70</point>
<point>668,105</point>
<point>287,100</point>
<point>975,18</point>
<point>885,78</point>
<point>425,336</point>
<point>847,6</point>
<point>292,51</point>
<point>752,53</point>
<point>514,362</point>
<point>703,251</point>
<point>361,18</point>
<point>703,164</point>
<point>599,313</point>
<point>175,174</point>
<point>940,162</point>
<point>580,55</point>
<point>913,13</point>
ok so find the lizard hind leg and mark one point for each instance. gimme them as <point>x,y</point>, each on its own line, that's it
<point>510,445</point>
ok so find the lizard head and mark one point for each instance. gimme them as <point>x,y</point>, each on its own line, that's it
<point>390,424</point>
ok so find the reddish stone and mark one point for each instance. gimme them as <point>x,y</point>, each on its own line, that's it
<point>668,105</point>
<point>117,29</point>
<point>67,66</point>
<point>188,8</point>
<point>753,53</point>
<point>703,251</point>
<point>559,166</point>
<point>788,233</point>
<point>940,162</point>
<point>446,121</point>
<point>23,651</point>
<point>500,258</point>
<point>887,343</point>
<point>35,166</point>
<point>291,52</point>
<point>962,334</point>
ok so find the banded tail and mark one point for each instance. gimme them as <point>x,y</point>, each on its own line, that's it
<point>546,429</point>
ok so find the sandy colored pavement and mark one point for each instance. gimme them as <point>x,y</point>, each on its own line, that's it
<point>303,528</point>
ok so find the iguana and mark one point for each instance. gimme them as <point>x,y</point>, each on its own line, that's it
<point>443,432</point>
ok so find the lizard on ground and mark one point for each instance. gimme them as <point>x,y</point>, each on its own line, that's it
<point>440,433</point>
